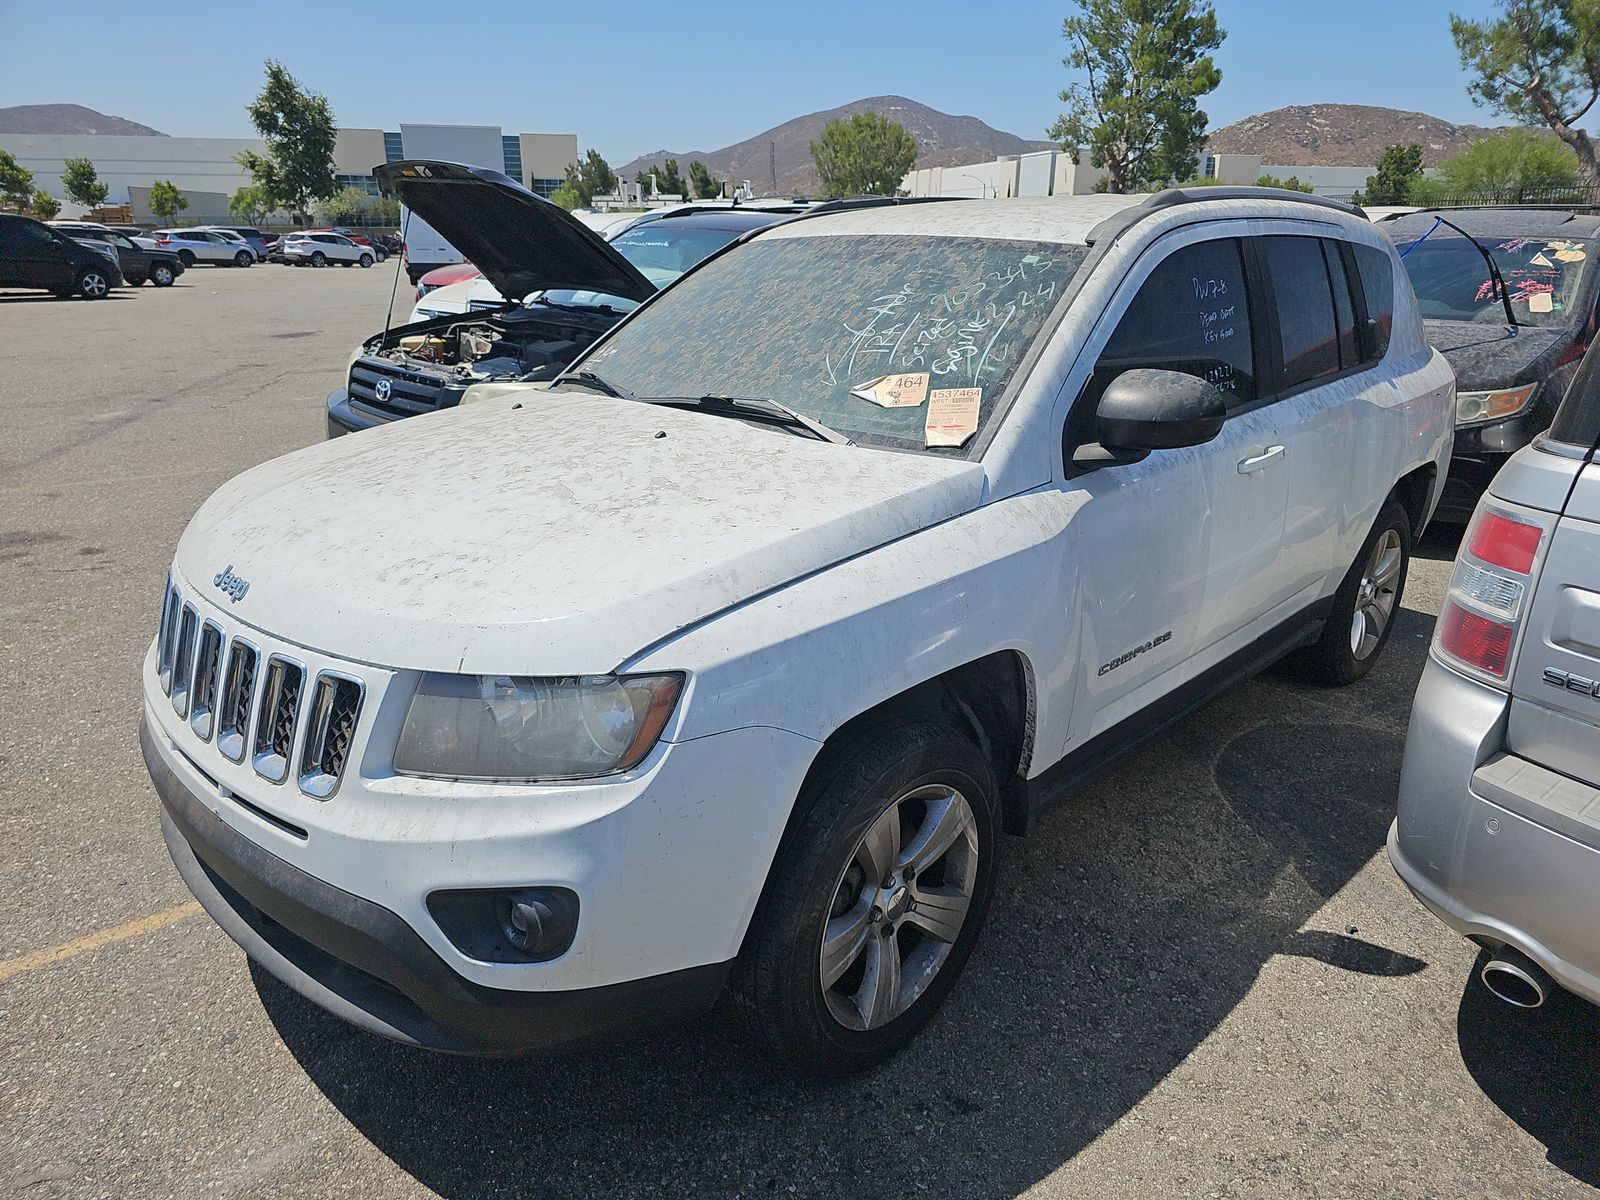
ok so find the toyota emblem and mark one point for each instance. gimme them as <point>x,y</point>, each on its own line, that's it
<point>382,391</point>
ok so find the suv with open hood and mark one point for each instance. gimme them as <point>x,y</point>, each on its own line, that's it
<point>725,659</point>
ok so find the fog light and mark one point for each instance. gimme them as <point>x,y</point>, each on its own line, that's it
<point>508,925</point>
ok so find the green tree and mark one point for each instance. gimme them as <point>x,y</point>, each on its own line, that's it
<point>567,197</point>
<point>668,181</point>
<point>250,204</point>
<point>1539,62</point>
<point>1399,168</point>
<point>1145,65</point>
<point>589,177</point>
<point>705,187</point>
<point>1516,165</point>
<point>346,206</point>
<point>82,184</point>
<point>16,182</point>
<point>298,128</point>
<point>867,155</point>
<point>1291,184</point>
<point>45,206</point>
<point>166,201</point>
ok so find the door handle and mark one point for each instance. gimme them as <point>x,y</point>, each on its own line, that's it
<point>1260,462</point>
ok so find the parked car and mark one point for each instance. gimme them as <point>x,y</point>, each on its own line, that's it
<point>379,250</point>
<point>439,277</point>
<point>423,247</point>
<point>320,249</point>
<point>32,255</point>
<point>139,262</point>
<point>148,238</point>
<point>723,662</point>
<point>1498,831</point>
<point>89,234</point>
<point>1513,357</point>
<point>259,242</point>
<point>206,245</point>
<point>662,250</point>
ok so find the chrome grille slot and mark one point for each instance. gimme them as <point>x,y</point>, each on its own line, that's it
<point>166,640</point>
<point>330,727</point>
<point>203,693</point>
<point>276,718</point>
<point>183,661</point>
<point>238,689</point>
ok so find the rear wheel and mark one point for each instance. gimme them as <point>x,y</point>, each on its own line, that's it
<point>319,259</point>
<point>244,259</point>
<point>875,901</point>
<point>186,257</point>
<point>94,284</point>
<point>161,275</point>
<point>1366,604</point>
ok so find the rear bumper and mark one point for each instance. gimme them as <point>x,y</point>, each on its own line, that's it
<point>364,963</point>
<point>1491,874</point>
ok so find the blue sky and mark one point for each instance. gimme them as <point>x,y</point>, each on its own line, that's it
<point>628,78</point>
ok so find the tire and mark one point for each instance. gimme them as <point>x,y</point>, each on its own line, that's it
<point>383,255</point>
<point>366,260</point>
<point>1372,590</point>
<point>911,778</point>
<point>93,284</point>
<point>133,280</point>
<point>161,275</point>
<point>186,257</point>
<point>347,263</point>
<point>244,259</point>
<point>319,259</point>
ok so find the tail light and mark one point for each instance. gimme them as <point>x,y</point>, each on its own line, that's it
<point>1483,608</point>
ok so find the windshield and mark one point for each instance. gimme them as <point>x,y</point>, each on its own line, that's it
<point>1452,281</point>
<point>660,254</point>
<point>813,322</point>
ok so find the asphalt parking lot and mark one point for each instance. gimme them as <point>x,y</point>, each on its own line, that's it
<point>1200,979</point>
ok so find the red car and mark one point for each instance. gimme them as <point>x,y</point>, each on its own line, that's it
<point>440,276</point>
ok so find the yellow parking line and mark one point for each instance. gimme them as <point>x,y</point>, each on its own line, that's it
<point>93,941</point>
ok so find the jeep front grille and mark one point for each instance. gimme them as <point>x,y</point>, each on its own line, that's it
<point>267,705</point>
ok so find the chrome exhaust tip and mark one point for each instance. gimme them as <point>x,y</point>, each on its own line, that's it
<point>1515,978</point>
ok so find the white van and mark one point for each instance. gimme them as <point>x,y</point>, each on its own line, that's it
<point>425,247</point>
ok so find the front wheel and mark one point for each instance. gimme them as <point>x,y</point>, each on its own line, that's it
<point>319,259</point>
<point>366,260</point>
<point>94,284</point>
<point>161,275</point>
<point>875,901</point>
<point>244,259</point>
<point>1365,606</point>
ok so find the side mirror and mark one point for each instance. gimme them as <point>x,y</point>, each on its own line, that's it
<point>1144,410</point>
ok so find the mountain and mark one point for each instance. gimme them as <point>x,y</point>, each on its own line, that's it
<point>67,118</point>
<point>945,140</point>
<point>1340,135</point>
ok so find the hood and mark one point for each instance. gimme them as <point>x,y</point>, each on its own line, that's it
<point>1486,356</point>
<point>521,242</point>
<point>546,533</point>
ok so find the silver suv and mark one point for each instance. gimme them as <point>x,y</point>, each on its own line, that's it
<point>1499,825</point>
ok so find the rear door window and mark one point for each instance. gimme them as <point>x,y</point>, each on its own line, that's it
<point>1308,334</point>
<point>1190,316</point>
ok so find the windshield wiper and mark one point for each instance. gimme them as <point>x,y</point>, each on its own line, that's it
<point>1497,279</point>
<point>763,406</point>
<point>595,382</point>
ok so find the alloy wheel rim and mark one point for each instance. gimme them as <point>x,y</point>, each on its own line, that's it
<point>94,285</point>
<point>899,905</point>
<point>1375,596</point>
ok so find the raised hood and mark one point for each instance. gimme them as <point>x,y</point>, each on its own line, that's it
<point>521,242</point>
<point>559,537</point>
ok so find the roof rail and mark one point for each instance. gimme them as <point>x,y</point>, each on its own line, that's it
<point>853,202</point>
<point>1115,225</point>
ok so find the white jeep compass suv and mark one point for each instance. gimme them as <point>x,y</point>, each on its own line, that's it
<point>724,661</point>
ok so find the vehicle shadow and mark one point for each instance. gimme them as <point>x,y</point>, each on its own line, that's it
<point>52,298</point>
<point>1541,1068</point>
<point>1123,933</point>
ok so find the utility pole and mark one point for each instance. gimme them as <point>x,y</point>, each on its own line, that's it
<point>772,164</point>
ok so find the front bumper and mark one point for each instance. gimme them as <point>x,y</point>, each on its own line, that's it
<point>1493,875</point>
<point>362,962</point>
<point>345,417</point>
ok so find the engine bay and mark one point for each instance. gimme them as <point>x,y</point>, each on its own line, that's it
<point>530,343</point>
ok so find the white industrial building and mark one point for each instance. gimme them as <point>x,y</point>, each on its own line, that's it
<point>207,170</point>
<point>1053,173</point>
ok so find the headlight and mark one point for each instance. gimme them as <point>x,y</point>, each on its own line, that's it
<point>517,729</point>
<point>1472,407</point>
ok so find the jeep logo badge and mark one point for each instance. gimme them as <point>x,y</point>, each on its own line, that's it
<point>231,584</point>
<point>382,390</point>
